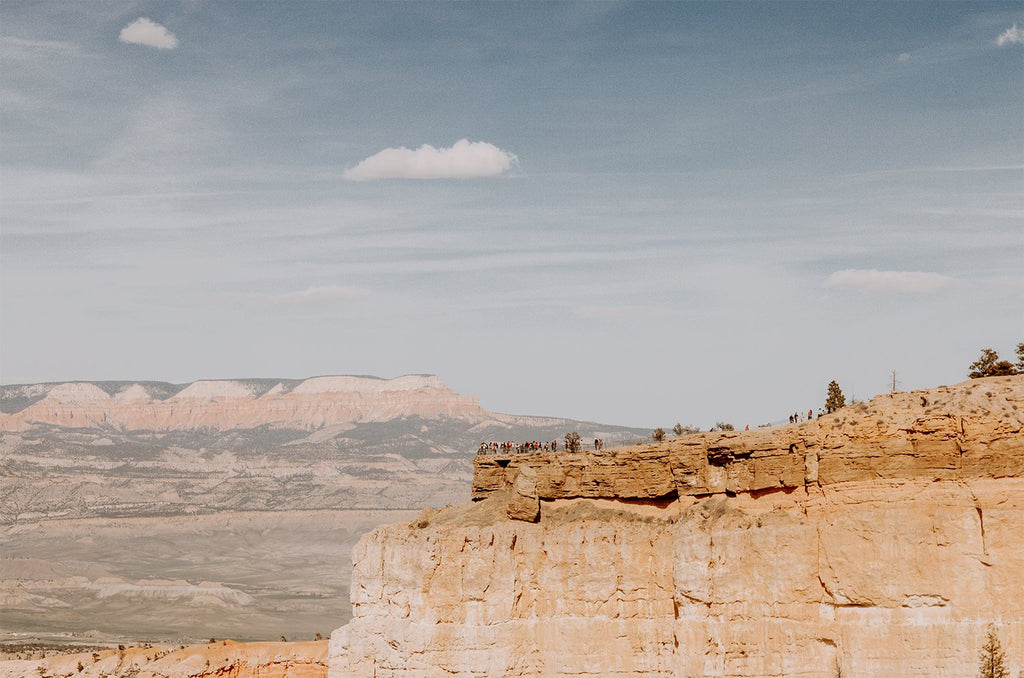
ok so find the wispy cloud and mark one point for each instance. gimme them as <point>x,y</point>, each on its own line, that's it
<point>1011,36</point>
<point>145,32</point>
<point>464,160</point>
<point>903,57</point>
<point>623,313</point>
<point>871,280</point>
<point>166,131</point>
<point>20,48</point>
<point>316,295</point>
<point>939,169</point>
<point>324,294</point>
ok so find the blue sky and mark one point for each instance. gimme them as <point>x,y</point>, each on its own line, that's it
<point>661,212</point>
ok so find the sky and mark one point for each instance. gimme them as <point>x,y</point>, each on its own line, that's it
<point>631,213</point>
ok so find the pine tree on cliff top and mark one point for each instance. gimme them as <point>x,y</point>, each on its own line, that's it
<point>993,661</point>
<point>989,365</point>
<point>835,398</point>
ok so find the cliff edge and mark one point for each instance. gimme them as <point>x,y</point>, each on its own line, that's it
<point>881,540</point>
<point>972,430</point>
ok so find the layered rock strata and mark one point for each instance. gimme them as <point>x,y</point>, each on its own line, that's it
<point>883,540</point>
<point>972,430</point>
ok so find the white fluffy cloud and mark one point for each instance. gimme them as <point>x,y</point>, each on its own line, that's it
<point>464,160</point>
<point>313,295</point>
<point>871,280</point>
<point>1011,36</point>
<point>142,31</point>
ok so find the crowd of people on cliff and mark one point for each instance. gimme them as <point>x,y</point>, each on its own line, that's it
<point>509,447</point>
<point>797,417</point>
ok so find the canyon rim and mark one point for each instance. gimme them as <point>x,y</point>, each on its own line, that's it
<point>218,218</point>
<point>881,540</point>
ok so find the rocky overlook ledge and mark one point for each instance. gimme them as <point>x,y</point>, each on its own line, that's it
<point>882,540</point>
<point>972,430</point>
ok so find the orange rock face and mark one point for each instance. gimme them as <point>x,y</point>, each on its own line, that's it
<point>882,541</point>
<point>972,430</point>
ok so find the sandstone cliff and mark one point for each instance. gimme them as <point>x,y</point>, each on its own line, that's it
<point>878,541</point>
<point>949,433</point>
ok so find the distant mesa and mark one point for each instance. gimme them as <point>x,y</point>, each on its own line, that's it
<point>232,404</point>
<point>411,382</point>
<point>325,405</point>
<point>76,393</point>
<point>133,393</point>
<point>208,390</point>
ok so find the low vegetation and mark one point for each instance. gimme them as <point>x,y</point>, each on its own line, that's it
<point>681,430</point>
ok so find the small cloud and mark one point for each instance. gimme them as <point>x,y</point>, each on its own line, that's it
<point>316,295</point>
<point>1011,36</point>
<point>903,57</point>
<point>142,31</point>
<point>871,280</point>
<point>464,160</point>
